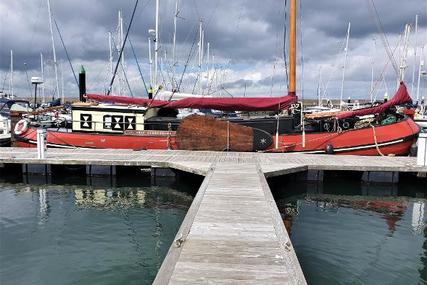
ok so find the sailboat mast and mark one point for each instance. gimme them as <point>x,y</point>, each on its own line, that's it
<point>62,82</point>
<point>319,88</point>
<point>371,92</point>
<point>55,63</point>
<point>404,54</point>
<point>345,64</point>
<point>42,73</point>
<point>415,53</point>
<point>292,46</point>
<point>174,44</point>
<point>123,63</point>
<point>150,62</point>
<point>110,46</point>
<point>118,48</point>
<point>156,45</point>
<point>11,75</point>
<point>420,68</point>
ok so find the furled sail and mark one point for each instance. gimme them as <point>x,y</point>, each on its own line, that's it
<point>222,104</point>
<point>401,97</point>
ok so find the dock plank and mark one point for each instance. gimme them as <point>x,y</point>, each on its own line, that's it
<point>233,238</point>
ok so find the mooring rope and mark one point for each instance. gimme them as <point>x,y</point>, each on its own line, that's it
<point>376,141</point>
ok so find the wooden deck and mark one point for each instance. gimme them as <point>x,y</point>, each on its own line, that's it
<point>233,232</point>
<point>199,162</point>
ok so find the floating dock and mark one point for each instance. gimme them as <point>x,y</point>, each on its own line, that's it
<point>233,232</point>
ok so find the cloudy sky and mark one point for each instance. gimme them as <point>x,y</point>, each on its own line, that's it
<point>245,38</point>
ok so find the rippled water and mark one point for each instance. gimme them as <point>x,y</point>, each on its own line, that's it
<point>349,233</point>
<point>86,235</point>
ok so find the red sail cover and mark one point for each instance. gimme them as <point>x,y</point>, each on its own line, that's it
<point>401,97</point>
<point>222,104</point>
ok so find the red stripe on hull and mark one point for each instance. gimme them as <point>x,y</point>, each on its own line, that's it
<point>101,141</point>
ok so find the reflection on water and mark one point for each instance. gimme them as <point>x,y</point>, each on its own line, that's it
<point>351,233</point>
<point>52,234</point>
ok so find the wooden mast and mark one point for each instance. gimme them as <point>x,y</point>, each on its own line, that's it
<point>292,46</point>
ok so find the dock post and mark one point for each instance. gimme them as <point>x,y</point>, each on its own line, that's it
<point>41,143</point>
<point>422,150</point>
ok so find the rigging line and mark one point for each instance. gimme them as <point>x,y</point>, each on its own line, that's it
<point>6,75</point>
<point>162,73</point>
<point>195,83</point>
<point>188,60</point>
<point>302,50</point>
<point>329,74</point>
<point>375,15</point>
<point>139,67</point>
<point>122,48</point>
<point>66,52</point>
<point>125,75</point>
<point>126,79</point>
<point>28,80</point>
<point>211,15</point>
<point>285,56</point>
<point>223,88</point>
<point>382,75</point>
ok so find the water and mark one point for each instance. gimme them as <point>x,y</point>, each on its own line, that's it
<point>51,234</point>
<point>345,232</point>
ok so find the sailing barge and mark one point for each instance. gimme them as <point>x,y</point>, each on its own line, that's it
<point>152,124</point>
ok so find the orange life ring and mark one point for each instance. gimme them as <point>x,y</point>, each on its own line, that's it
<point>21,127</point>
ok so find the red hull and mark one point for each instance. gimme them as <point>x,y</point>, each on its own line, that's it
<point>394,139</point>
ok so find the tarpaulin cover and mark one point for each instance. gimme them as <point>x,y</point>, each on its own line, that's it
<point>401,97</point>
<point>222,104</point>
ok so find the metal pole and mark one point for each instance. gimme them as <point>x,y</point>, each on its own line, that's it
<point>415,53</point>
<point>41,143</point>
<point>156,45</point>
<point>200,43</point>
<point>62,82</point>
<point>420,68</point>
<point>110,44</point>
<point>35,95</point>
<point>404,55</point>
<point>42,72</point>
<point>123,63</point>
<point>174,45</point>
<point>372,70</point>
<point>55,63</point>
<point>345,63</point>
<point>118,48</point>
<point>11,75</point>
<point>208,66</point>
<point>150,61</point>
<point>319,92</point>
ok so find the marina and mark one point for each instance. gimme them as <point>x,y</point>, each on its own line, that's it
<point>212,142</point>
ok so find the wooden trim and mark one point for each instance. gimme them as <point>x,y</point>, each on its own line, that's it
<point>297,275</point>
<point>168,266</point>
